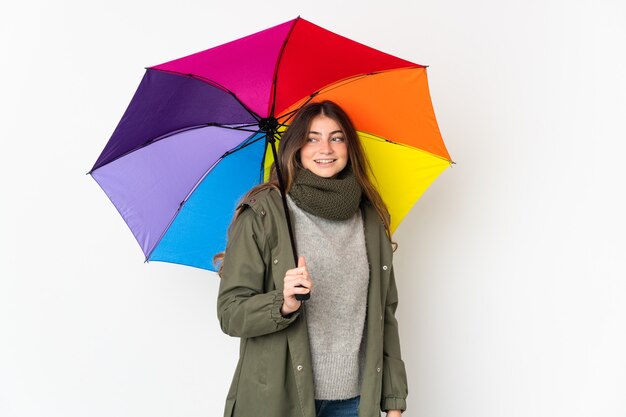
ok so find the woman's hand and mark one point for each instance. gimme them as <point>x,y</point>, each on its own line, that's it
<point>293,278</point>
<point>394,413</point>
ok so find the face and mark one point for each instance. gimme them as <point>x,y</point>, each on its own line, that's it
<point>325,152</point>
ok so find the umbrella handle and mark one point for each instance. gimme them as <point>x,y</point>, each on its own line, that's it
<point>271,139</point>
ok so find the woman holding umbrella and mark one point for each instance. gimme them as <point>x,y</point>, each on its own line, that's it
<point>337,354</point>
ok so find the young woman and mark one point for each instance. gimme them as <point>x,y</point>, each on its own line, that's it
<point>337,354</point>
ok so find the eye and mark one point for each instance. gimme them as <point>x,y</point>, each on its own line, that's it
<point>311,140</point>
<point>337,139</point>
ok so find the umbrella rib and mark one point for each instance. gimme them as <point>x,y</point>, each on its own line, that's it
<point>382,139</point>
<point>180,206</point>
<point>241,146</point>
<point>241,128</point>
<point>207,172</point>
<point>215,84</point>
<point>278,61</point>
<point>290,114</point>
<point>341,83</point>
<point>332,86</point>
<point>278,135</point>
<point>293,112</point>
<point>358,77</point>
<point>174,132</point>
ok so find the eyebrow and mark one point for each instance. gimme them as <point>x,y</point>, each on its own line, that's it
<point>318,133</point>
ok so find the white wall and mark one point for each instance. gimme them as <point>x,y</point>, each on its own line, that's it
<point>510,268</point>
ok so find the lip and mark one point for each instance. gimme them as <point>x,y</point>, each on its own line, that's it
<point>326,161</point>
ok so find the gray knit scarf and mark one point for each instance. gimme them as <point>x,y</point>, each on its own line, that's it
<point>331,198</point>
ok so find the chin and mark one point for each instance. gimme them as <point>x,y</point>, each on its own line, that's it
<point>324,174</point>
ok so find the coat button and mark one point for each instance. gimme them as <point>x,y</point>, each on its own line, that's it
<point>275,261</point>
<point>377,369</point>
<point>262,212</point>
<point>381,316</point>
<point>384,267</point>
<point>299,367</point>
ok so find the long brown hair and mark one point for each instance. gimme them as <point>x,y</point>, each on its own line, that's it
<point>295,137</point>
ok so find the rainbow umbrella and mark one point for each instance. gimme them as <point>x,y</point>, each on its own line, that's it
<point>200,130</point>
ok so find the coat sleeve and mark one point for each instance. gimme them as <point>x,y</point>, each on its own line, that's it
<point>394,388</point>
<point>244,309</point>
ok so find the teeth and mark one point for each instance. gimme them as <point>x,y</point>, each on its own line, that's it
<point>324,161</point>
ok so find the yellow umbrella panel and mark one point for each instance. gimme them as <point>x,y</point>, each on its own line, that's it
<point>400,173</point>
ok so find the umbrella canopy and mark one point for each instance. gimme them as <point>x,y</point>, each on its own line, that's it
<point>194,138</point>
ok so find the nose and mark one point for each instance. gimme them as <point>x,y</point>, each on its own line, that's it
<point>326,147</point>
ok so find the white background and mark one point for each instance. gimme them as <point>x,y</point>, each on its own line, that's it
<point>511,268</point>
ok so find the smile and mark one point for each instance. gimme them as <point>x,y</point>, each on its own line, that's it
<point>324,161</point>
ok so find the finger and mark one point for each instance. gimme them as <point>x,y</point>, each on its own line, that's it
<point>301,262</point>
<point>302,275</point>
<point>292,279</point>
<point>301,290</point>
<point>295,284</point>
<point>304,279</point>
<point>297,271</point>
<point>298,279</point>
<point>296,290</point>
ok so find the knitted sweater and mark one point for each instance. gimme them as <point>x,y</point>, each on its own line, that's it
<point>337,261</point>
